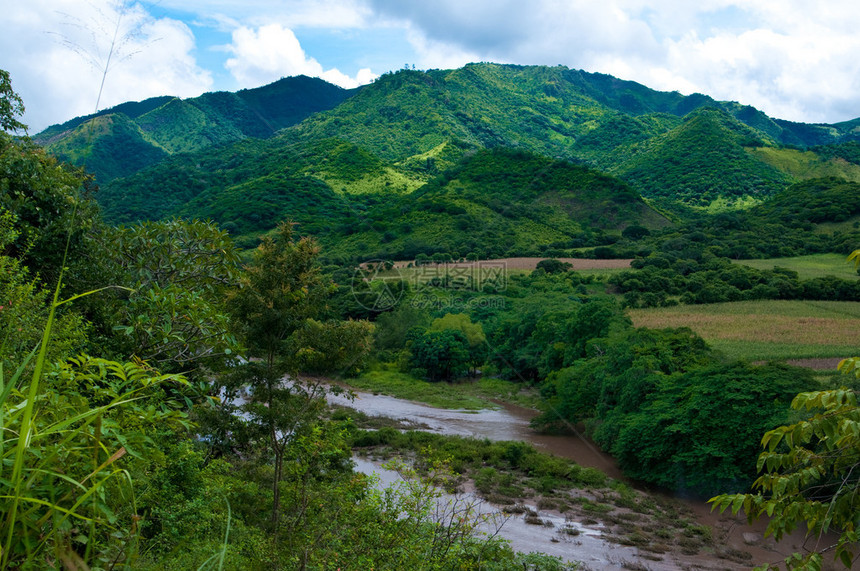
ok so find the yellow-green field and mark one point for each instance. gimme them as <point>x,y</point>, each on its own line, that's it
<point>765,330</point>
<point>808,267</point>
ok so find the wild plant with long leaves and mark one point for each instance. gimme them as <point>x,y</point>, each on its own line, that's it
<point>62,436</point>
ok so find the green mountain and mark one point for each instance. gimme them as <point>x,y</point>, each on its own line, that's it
<point>702,159</point>
<point>688,148</point>
<point>122,140</point>
<point>497,202</point>
<point>554,111</point>
<point>493,201</point>
<point>388,168</point>
<point>111,146</point>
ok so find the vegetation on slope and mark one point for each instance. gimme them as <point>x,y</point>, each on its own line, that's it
<point>157,127</point>
<point>417,124</point>
<point>495,203</point>
<point>701,160</point>
<point>112,146</point>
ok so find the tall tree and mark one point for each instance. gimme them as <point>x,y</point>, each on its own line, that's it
<point>473,332</point>
<point>273,309</point>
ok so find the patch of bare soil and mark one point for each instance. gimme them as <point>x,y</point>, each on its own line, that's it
<point>828,363</point>
<point>531,263</point>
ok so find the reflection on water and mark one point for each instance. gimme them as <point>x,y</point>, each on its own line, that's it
<point>506,423</point>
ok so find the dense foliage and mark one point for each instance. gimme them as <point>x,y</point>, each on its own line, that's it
<point>666,279</point>
<point>669,411</point>
<point>495,203</point>
<point>808,476</point>
<point>702,160</point>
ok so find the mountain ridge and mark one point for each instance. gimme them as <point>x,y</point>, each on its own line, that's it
<point>175,125</point>
<point>390,141</point>
<point>585,97</point>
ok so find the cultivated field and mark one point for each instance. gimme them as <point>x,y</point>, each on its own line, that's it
<point>531,263</point>
<point>808,267</point>
<point>765,330</point>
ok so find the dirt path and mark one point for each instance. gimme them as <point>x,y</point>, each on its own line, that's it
<point>828,364</point>
<point>531,263</point>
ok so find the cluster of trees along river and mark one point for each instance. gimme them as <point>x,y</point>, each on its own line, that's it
<point>147,423</point>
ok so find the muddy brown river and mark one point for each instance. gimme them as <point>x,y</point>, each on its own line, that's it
<point>512,423</point>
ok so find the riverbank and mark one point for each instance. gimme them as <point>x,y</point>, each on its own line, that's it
<point>468,394</point>
<point>666,532</point>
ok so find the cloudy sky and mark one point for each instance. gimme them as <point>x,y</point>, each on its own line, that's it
<point>794,59</point>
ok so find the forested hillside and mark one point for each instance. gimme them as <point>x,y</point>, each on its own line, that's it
<point>234,157</point>
<point>122,140</point>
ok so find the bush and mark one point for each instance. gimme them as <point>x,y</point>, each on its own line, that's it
<point>553,266</point>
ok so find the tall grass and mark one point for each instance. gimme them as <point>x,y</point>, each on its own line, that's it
<point>58,457</point>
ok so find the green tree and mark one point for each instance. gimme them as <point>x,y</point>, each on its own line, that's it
<point>392,326</point>
<point>444,355</point>
<point>700,430</point>
<point>635,232</point>
<point>24,310</point>
<point>335,347</point>
<point>810,474</point>
<point>553,266</point>
<point>280,290</point>
<point>11,105</point>
<point>179,273</point>
<point>273,310</point>
<point>473,332</point>
<point>53,212</point>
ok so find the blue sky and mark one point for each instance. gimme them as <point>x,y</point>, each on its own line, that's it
<point>794,59</point>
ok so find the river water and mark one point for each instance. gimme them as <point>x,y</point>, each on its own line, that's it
<point>512,423</point>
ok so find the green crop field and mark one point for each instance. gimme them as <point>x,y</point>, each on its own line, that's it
<point>766,330</point>
<point>808,267</point>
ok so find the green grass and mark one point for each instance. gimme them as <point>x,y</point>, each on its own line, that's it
<point>762,351</point>
<point>845,226</point>
<point>470,394</point>
<point>805,164</point>
<point>389,181</point>
<point>808,267</point>
<point>766,330</point>
<point>726,204</point>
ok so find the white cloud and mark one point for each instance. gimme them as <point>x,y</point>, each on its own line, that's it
<point>809,77</point>
<point>538,32</point>
<point>794,59</point>
<point>271,52</point>
<point>59,75</point>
